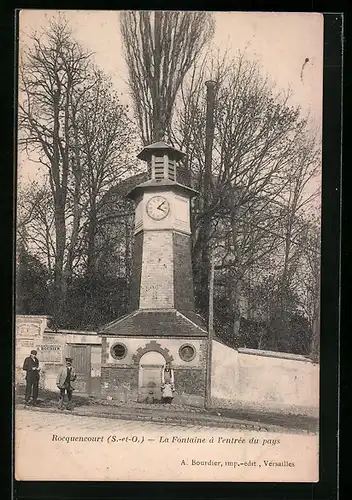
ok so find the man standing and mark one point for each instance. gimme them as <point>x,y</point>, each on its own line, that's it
<point>31,366</point>
<point>64,381</point>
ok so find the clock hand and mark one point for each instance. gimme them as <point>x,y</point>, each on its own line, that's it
<point>159,207</point>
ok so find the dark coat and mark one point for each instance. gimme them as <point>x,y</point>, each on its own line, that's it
<point>29,366</point>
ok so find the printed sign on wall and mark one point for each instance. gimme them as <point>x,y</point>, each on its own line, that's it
<point>49,353</point>
<point>28,330</point>
<point>23,348</point>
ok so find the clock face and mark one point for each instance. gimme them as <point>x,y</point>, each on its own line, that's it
<point>158,207</point>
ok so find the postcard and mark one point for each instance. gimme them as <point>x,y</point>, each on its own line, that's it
<point>168,246</point>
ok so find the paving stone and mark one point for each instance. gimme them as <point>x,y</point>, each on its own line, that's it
<point>160,415</point>
<point>28,419</point>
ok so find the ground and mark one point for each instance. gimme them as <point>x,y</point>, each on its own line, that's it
<point>245,418</point>
<point>28,420</point>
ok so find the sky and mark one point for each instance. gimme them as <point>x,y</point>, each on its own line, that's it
<point>281,41</point>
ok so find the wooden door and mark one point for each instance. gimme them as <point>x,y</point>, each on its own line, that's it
<point>82,365</point>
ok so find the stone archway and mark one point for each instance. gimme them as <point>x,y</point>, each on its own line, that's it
<point>150,360</point>
<point>152,346</point>
<point>149,376</point>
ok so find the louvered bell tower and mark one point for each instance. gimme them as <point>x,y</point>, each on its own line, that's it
<point>162,267</point>
<point>162,254</point>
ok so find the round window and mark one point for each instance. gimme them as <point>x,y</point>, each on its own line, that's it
<point>187,352</point>
<point>118,351</point>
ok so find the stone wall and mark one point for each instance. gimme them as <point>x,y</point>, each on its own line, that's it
<point>189,375</point>
<point>170,345</point>
<point>137,271</point>
<point>157,279</point>
<point>165,278</point>
<point>265,381</point>
<point>33,332</point>
<point>119,383</point>
<point>190,381</point>
<point>183,274</point>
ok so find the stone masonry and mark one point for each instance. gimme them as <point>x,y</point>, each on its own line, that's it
<point>162,324</point>
<point>157,279</point>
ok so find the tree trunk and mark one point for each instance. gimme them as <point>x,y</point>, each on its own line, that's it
<point>158,133</point>
<point>128,258</point>
<point>206,225</point>
<point>236,313</point>
<point>315,343</point>
<point>91,241</point>
<point>59,287</point>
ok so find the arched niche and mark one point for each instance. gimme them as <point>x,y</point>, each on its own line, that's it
<point>152,346</point>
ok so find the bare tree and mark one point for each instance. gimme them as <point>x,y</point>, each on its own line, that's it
<point>70,122</point>
<point>53,73</point>
<point>35,222</point>
<point>106,146</point>
<point>309,281</point>
<point>262,153</point>
<point>160,48</point>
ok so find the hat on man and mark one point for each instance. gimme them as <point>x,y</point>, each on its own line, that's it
<point>69,359</point>
<point>34,352</point>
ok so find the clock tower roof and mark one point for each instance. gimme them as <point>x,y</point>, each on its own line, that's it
<point>160,147</point>
<point>162,185</point>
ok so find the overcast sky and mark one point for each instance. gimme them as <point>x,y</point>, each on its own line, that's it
<point>281,41</point>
